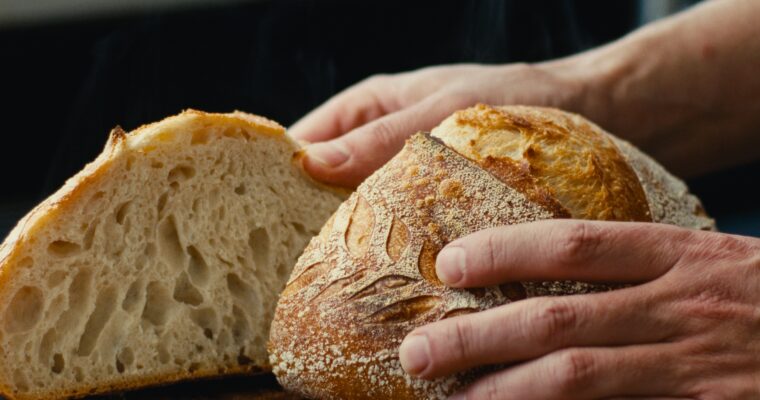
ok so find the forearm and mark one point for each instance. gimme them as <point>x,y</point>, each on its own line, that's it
<point>686,89</point>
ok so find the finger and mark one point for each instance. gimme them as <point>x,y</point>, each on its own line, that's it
<point>586,373</point>
<point>349,159</point>
<point>349,109</point>
<point>532,328</point>
<point>563,249</point>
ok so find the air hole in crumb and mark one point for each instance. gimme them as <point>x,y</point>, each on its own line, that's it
<point>119,366</point>
<point>89,236</point>
<point>241,190</point>
<point>169,243</point>
<point>58,363</point>
<point>56,278</point>
<point>299,228</point>
<point>162,202</point>
<point>193,367</point>
<point>63,248</point>
<point>133,297</point>
<point>24,310</point>
<point>163,354</point>
<point>156,164</point>
<point>258,240</point>
<point>126,356</point>
<point>121,212</point>
<point>242,292</point>
<point>46,344</point>
<point>282,270</point>
<point>104,308</point>
<point>198,268</point>
<point>240,327</point>
<point>243,360</point>
<point>158,304</point>
<point>206,319</point>
<point>185,292</point>
<point>181,173</point>
<point>19,378</point>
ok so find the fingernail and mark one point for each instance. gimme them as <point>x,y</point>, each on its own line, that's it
<point>326,153</point>
<point>458,396</point>
<point>450,265</point>
<point>414,354</point>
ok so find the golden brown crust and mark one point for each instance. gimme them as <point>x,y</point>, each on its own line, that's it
<point>349,305</point>
<point>368,279</point>
<point>120,144</point>
<point>561,155</point>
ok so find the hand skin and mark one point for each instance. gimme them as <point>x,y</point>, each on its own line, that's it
<point>363,127</point>
<point>688,328</point>
<point>685,89</point>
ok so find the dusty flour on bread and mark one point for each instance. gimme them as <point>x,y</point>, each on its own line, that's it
<point>369,278</point>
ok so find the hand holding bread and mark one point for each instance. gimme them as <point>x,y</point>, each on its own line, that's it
<point>684,329</point>
<point>370,277</point>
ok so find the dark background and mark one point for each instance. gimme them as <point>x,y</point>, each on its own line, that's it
<point>64,85</point>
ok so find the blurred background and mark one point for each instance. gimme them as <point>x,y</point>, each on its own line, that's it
<point>72,70</point>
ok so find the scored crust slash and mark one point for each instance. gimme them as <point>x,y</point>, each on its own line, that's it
<point>369,278</point>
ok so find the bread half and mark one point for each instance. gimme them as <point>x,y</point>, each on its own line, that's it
<point>160,261</point>
<point>369,278</point>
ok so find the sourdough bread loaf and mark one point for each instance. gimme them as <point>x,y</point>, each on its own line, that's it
<point>160,261</point>
<point>369,278</point>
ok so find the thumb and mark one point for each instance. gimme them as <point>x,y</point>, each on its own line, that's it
<point>348,160</point>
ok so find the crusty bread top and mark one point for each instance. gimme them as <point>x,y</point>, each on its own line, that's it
<point>163,223</point>
<point>566,155</point>
<point>119,142</point>
<point>369,278</point>
<point>590,173</point>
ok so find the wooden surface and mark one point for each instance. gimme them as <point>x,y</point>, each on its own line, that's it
<point>256,387</point>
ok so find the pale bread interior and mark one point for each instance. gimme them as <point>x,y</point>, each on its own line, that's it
<point>163,261</point>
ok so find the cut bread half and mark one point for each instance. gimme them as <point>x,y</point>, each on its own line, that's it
<point>160,261</point>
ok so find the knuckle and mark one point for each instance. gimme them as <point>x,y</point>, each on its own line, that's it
<point>462,338</point>
<point>714,246</point>
<point>491,390</point>
<point>385,133</point>
<point>554,318</point>
<point>493,253</point>
<point>488,388</point>
<point>376,80</point>
<point>715,302</point>
<point>575,370</point>
<point>577,242</point>
<point>458,98</point>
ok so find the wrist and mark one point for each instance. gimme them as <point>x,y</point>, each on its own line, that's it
<point>590,78</point>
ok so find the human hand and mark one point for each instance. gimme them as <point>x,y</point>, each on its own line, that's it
<point>689,329</point>
<point>364,126</point>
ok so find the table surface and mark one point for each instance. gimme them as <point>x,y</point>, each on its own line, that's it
<point>255,387</point>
